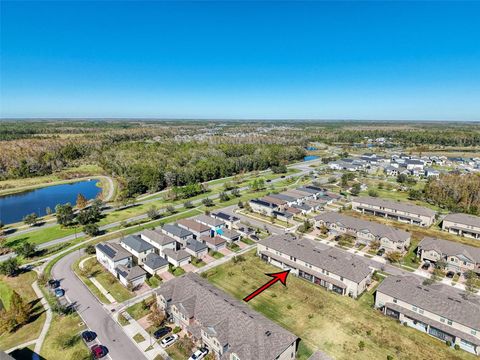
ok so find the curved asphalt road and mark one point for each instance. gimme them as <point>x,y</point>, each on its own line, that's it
<point>97,318</point>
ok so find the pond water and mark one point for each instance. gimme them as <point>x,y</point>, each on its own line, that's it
<point>310,157</point>
<point>14,207</point>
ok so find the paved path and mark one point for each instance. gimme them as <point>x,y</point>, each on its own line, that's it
<point>48,320</point>
<point>97,318</point>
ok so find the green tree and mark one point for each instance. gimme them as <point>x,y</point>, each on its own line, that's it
<point>30,219</point>
<point>9,267</point>
<point>26,249</point>
<point>208,202</point>
<point>394,256</point>
<point>91,229</point>
<point>355,189</point>
<point>224,196</point>
<point>188,205</point>
<point>64,214</point>
<point>372,193</point>
<point>152,212</point>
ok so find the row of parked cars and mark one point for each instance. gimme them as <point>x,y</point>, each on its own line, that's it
<point>98,351</point>
<point>171,339</point>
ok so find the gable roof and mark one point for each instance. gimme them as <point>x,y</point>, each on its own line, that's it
<point>229,234</point>
<point>210,221</point>
<point>464,219</point>
<point>192,225</point>
<point>360,225</point>
<point>396,205</point>
<point>176,230</point>
<point>333,260</point>
<point>439,299</point>
<point>154,261</point>
<point>225,216</point>
<point>216,240</point>
<point>283,196</point>
<point>450,248</point>
<point>176,255</point>
<point>274,200</point>
<point>195,245</point>
<point>157,236</point>
<point>130,273</point>
<point>264,203</point>
<point>113,251</point>
<point>219,315</point>
<point>136,243</point>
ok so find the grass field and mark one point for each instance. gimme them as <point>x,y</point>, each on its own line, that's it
<point>329,322</point>
<point>138,310</point>
<point>22,285</point>
<point>61,327</point>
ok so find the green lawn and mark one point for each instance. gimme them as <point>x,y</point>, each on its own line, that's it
<point>139,310</point>
<point>181,350</point>
<point>326,321</point>
<point>138,338</point>
<point>93,289</point>
<point>198,262</point>
<point>233,247</point>
<point>247,241</point>
<point>215,254</point>
<point>61,327</point>
<point>22,285</point>
<point>177,271</point>
<point>154,281</point>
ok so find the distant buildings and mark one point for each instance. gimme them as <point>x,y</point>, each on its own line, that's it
<point>330,268</point>
<point>437,310</point>
<point>395,210</point>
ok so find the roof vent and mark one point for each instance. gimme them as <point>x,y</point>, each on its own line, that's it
<point>268,333</point>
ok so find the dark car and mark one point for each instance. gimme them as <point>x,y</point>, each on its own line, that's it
<point>254,237</point>
<point>268,180</point>
<point>450,274</point>
<point>161,332</point>
<point>98,351</point>
<point>53,283</point>
<point>426,266</point>
<point>283,176</point>
<point>381,252</point>
<point>88,336</point>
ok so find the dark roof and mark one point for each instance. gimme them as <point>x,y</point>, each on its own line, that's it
<point>154,261</point>
<point>283,197</point>
<point>333,260</point>
<point>442,300</point>
<point>195,245</point>
<point>224,216</point>
<point>220,315</point>
<point>176,230</point>
<point>113,251</point>
<point>136,243</point>
<point>450,248</point>
<point>263,203</point>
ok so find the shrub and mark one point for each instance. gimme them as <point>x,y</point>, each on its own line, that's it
<point>361,345</point>
<point>177,329</point>
<point>289,307</point>
<point>90,249</point>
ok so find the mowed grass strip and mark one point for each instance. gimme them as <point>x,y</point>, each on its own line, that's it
<point>22,284</point>
<point>329,322</point>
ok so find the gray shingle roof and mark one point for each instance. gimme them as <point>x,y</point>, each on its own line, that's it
<point>154,261</point>
<point>437,298</point>
<point>220,315</point>
<point>114,251</point>
<point>464,219</point>
<point>158,237</point>
<point>377,229</point>
<point>208,220</point>
<point>333,260</point>
<point>130,273</point>
<point>195,245</point>
<point>176,255</point>
<point>397,205</point>
<point>263,203</point>
<point>450,248</point>
<point>136,243</point>
<point>176,230</point>
<point>283,197</point>
<point>230,234</point>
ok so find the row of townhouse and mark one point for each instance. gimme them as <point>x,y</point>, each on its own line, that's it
<point>462,225</point>
<point>437,309</point>
<point>229,328</point>
<point>333,269</point>
<point>394,170</point>
<point>153,250</point>
<point>390,238</point>
<point>395,210</point>
<point>458,258</point>
<point>302,200</point>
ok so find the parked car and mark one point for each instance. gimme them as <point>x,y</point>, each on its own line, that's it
<point>161,332</point>
<point>283,176</point>
<point>254,237</point>
<point>88,336</point>
<point>450,274</point>
<point>169,340</point>
<point>59,292</point>
<point>53,283</point>
<point>381,252</point>
<point>199,354</point>
<point>268,180</point>
<point>98,351</point>
<point>426,265</point>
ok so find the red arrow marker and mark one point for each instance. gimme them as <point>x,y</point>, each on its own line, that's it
<point>280,276</point>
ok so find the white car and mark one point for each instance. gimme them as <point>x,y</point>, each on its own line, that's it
<point>169,340</point>
<point>199,354</point>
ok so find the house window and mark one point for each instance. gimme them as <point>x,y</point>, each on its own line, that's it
<point>449,322</point>
<point>420,311</point>
<point>414,308</point>
<point>341,278</point>
<point>473,332</point>
<point>395,301</point>
<point>442,320</point>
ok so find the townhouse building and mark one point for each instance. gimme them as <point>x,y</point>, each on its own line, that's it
<point>365,231</point>
<point>462,224</point>
<point>131,276</point>
<point>154,264</point>
<point>197,229</point>
<point>231,221</point>
<point>263,207</point>
<point>111,255</point>
<point>395,210</point>
<point>178,233</point>
<point>437,309</point>
<point>137,247</point>
<point>458,257</point>
<point>214,224</point>
<point>228,327</point>
<point>330,268</point>
<point>159,240</point>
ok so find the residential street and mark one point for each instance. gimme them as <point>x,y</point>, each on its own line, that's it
<point>96,317</point>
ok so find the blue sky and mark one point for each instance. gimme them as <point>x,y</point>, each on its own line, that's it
<point>316,60</point>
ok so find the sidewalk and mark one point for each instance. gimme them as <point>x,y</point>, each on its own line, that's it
<point>96,283</point>
<point>48,320</point>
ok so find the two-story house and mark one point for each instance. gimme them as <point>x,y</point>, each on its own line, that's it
<point>159,240</point>
<point>178,233</point>
<point>395,210</point>
<point>462,224</point>
<point>229,328</point>
<point>111,255</point>
<point>137,247</point>
<point>231,221</point>
<point>335,270</point>
<point>438,310</point>
<point>458,257</point>
<point>197,229</point>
